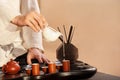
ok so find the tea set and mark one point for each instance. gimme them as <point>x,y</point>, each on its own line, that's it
<point>66,53</point>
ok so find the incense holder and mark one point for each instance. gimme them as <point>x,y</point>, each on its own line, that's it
<point>70,53</point>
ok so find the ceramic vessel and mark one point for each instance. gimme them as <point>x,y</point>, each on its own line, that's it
<point>71,52</point>
<point>51,34</point>
<point>51,67</point>
<point>35,69</point>
<point>66,65</point>
<point>12,67</point>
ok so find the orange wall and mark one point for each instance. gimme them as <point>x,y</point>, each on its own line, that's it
<point>97,30</point>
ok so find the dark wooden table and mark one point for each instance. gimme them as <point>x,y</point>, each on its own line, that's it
<point>103,76</point>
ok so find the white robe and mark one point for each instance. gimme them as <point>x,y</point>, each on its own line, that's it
<point>14,40</point>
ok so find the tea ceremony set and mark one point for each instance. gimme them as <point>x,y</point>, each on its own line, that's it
<point>68,67</point>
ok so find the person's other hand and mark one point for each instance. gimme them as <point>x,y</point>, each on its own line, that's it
<point>35,53</point>
<point>32,19</point>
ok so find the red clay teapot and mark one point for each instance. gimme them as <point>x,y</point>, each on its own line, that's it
<point>12,67</point>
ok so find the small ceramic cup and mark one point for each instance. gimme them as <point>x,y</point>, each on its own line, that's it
<point>45,69</point>
<point>66,65</point>
<point>28,69</point>
<point>59,67</point>
<point>35,69</point>
<point>51,67</point>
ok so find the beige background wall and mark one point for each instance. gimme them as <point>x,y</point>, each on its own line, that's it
<point>97,30</point>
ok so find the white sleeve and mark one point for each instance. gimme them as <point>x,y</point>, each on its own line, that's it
<point>28,5</point>
<point>31,38</point>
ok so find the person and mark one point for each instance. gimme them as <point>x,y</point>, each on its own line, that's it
<point>21,27</point>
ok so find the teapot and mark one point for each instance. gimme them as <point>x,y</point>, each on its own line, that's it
<point>51,34</point>
<point>12,67</point>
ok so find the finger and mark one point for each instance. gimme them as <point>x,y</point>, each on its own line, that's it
<point>14,21</point>
<point>29,59</point>
<point>40,60</point>
<point>39,20</point>
<point>35,23</point>
<point>32,26</point>
<point>45,59</point>
<point>44,21</point>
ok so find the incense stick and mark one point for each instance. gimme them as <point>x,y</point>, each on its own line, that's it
<point>70,31</point>
<point>63,49</point>
<point>61,37</point>
<point>65,32</point>
<point>58,29</point>
<point>72,34</point>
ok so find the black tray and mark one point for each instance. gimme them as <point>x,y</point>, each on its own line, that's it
<point>79,70</point>
<point>72,75</point>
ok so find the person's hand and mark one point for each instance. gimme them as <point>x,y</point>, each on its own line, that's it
<point>32,19</point>
<point>35,53</point>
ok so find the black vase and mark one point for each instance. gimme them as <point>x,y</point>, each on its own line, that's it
<point>71,52</point>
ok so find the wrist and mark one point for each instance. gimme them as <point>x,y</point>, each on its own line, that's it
<point>34,48</point>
